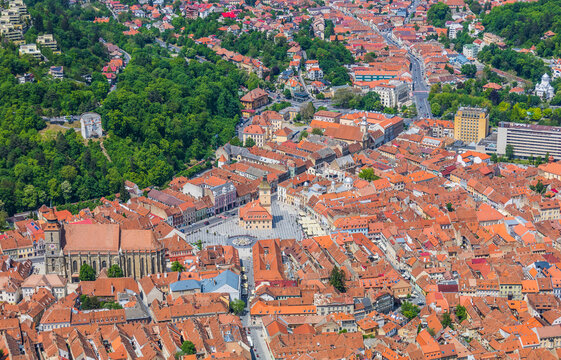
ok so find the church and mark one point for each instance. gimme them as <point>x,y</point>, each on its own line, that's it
<point>544,89</point>
<point>256,215</point>
<point>137,252</point>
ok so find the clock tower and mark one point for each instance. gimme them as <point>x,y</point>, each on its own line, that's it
<point>54,259</point>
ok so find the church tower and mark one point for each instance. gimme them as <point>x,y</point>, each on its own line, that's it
<point>54,259</point>
<point>265,195</point>
<point>364,130</point>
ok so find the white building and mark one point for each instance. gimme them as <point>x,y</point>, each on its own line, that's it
<point>454,29</point>
<point>315,73</point>
<point>52,282</point>
<point>91,125</point>
<point>544,88</point>
<point>394,93</point>
<point>10,290</point>
<point>529,139</point>
<point>30,49</point>
<point>470,51</point>
<point>48,41</point>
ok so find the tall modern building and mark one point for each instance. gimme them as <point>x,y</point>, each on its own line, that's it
<point>471,124</point>
<point>529,139</point>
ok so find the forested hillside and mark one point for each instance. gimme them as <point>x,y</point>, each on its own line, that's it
<point>164,112</point>
<point>524,24</point>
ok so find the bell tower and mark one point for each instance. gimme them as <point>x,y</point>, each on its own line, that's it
<point>265,195</point>
<point>54,259</point>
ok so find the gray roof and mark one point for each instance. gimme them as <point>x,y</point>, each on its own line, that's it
<point>164,198</point>
<point>225,278</point>
<point>325,152</point>
<point>344,161</point>
<point>185,285</point>
<point>258,173</point>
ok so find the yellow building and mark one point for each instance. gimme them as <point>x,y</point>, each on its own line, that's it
<point>471,124</point>
<point>257,214</point>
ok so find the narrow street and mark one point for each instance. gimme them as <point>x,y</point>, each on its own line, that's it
<point>302,78</point>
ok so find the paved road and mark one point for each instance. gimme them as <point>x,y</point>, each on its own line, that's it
<point>304,55</point>
<point>420,89</point>
<point>170,47</point>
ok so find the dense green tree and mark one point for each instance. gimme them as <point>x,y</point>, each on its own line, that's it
<point>89,303</point>
<point>469,70</point>
<point>187,348</point>
<point>237,306</point>
<point>124,195</point>
<point>249,142</point>
<point>236,141</point>
<point>438,14</point>
<point>409,310</point>
<point>370,57</point>
<point>330,55</point>
<point>475,7</point>
<point>350,99</point>
<point>337,279</point>
<point>524,24</point>
<point>307,112</point>
<point>461,313</point>
<point>523,64</point>
<point>87,273</point>
<point>539,187</point>
<point>115,271</point>
<point>368,174</point>
<point>176,266</point>
<point>509,151</point>
<point>329,29</point>
<point>446,321</point>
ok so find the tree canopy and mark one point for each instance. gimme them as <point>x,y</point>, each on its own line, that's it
<point>115,271</point>
<point>438,14</point>
<point>337,279</point>
<point>461,313</point>
<point>524,25</point>
<point>187,348</point>
<point>331,56</point>
<point>177,267</point>
<point>164,113</point>
<point>237,306</point>
<point>368,174</point>
<point>87,273</point>
<point>524,65</point>
<point>409,310</point>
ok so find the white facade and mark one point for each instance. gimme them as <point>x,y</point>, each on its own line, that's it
<point>529,139</point>
<point>91,125</point>
<point>30,49</point>
<point>394,94</point>
<point>52,282</point>
<point>454,29</point>
<point>544,88</point>
<point>470,51</point>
